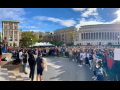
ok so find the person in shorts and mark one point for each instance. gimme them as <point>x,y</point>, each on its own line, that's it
<point>40,66</point>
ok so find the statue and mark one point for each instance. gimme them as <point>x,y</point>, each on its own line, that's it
<point>4,45</point>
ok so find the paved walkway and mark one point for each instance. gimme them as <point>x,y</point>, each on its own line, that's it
<point>61,69</point>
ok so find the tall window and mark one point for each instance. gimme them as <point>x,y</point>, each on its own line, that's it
<point>10,38</point>
<point>108,35</point>
<point>111,36</point>
<point>96,35</point>
<point>5,27</point>
<point>102,35</point>
<point>15,27</point>
<point>10,27</point>
<point>89,35</point>
<point>82,36</point>
<point>5,32</point>
<point>15,38</point>
<point>15,32</point>
<point>10,32</point>
<point>10,44</point>
<point>99,35</point>
<point>86,35</point>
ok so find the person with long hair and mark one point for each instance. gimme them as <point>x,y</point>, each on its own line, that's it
<point>32,63</point>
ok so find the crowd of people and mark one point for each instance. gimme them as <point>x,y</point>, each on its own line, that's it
<point>99,59</point>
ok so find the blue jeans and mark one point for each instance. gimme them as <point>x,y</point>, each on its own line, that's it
<point>25,65</point>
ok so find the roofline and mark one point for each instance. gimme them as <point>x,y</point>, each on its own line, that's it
<point>65,28</point>
<point>99,24</point>
<point>9,21</point>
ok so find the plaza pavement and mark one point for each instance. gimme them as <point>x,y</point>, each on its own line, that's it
<point>61,69</point>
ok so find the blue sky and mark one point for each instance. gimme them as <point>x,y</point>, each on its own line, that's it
<point>50,19</point>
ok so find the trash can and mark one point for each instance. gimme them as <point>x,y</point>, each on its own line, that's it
<point>0,52</point>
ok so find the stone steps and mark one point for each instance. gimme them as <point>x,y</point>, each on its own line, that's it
<point>16,76</point>
<point>4,74</point>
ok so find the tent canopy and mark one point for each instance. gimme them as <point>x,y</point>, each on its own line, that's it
<point>43,44</point>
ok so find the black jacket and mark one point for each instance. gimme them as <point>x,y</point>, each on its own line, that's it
<point>31,59</point>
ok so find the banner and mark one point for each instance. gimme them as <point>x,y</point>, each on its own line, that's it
<point>117,54</point>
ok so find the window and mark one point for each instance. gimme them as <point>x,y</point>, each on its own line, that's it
<point>96,35</point>
<point>10,32</point>
<point>10,44</point>
<point>5,27</point>
<point>15,38</point>
<point>5,32</point>
<point>15,32</point>
<point>10,27</point>
<point>15,27</point>
<point>10,38</point>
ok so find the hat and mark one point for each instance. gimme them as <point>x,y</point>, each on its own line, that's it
<point>39,54</point>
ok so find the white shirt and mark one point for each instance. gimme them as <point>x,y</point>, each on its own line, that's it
<point>20,54</point>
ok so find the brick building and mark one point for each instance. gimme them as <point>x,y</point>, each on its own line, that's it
<point>61,34</point>
<point>10,29</point>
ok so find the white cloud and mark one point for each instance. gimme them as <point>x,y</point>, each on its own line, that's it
<point>102,8</point>
<point>98,20</point>
<point>68,23</point>
<point>78,9</point>
<point>12,13</point>
<point>89,11</point>
<point>28,26</point>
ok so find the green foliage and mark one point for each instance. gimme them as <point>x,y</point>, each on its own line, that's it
<point>26,39</point>
<point>55,42</point>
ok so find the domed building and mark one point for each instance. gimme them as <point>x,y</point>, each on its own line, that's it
<point>101,34</point>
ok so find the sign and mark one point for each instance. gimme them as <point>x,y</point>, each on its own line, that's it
<point>117,54</point>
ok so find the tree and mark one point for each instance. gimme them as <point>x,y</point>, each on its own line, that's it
<point>26,38</point>
<point>70,36</point>
<point>55,42</point>
<point>40,40</point>
<point>60,43</point>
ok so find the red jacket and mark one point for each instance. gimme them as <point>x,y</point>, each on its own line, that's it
<point>106,53</point>
<point>110,62</point>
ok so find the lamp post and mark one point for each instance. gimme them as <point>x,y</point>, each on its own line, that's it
<point>118,41</point>
<point>31,43</point>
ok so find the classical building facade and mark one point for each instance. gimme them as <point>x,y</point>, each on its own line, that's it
<point>101,34</point>
<point>10,29</point>
<point>61,34</point>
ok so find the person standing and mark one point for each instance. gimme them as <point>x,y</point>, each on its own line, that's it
<point>78,55</point>
<point>32,63</point>
<point>40,66</point>
<point>90,59</point>
<point>25,61</point>
<point>94,65</point>
<point>21,56</point>
<point>5,45</point>
<point>100,76</point>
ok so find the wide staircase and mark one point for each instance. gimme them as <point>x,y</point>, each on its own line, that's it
<point>7,75</point>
